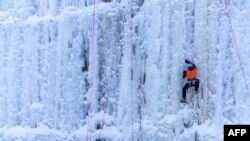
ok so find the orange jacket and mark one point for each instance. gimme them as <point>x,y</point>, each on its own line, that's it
<point>190,73</point>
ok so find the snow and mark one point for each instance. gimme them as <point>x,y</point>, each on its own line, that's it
<point>27,131</point>
<point>132,62</point>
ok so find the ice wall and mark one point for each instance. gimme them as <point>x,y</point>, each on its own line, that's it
<point>116,74</point>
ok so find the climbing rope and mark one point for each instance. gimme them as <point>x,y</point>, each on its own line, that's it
<point>236,46</point>
<point>131,65</point>
<point>193,32</point>
<point>91,77</point>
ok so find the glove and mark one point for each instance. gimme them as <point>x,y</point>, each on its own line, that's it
<point>186,61</point>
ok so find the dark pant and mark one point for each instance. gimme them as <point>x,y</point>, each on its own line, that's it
<point>190,83</point>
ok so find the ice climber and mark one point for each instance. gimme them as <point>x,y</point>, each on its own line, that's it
<point>191,75</point>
